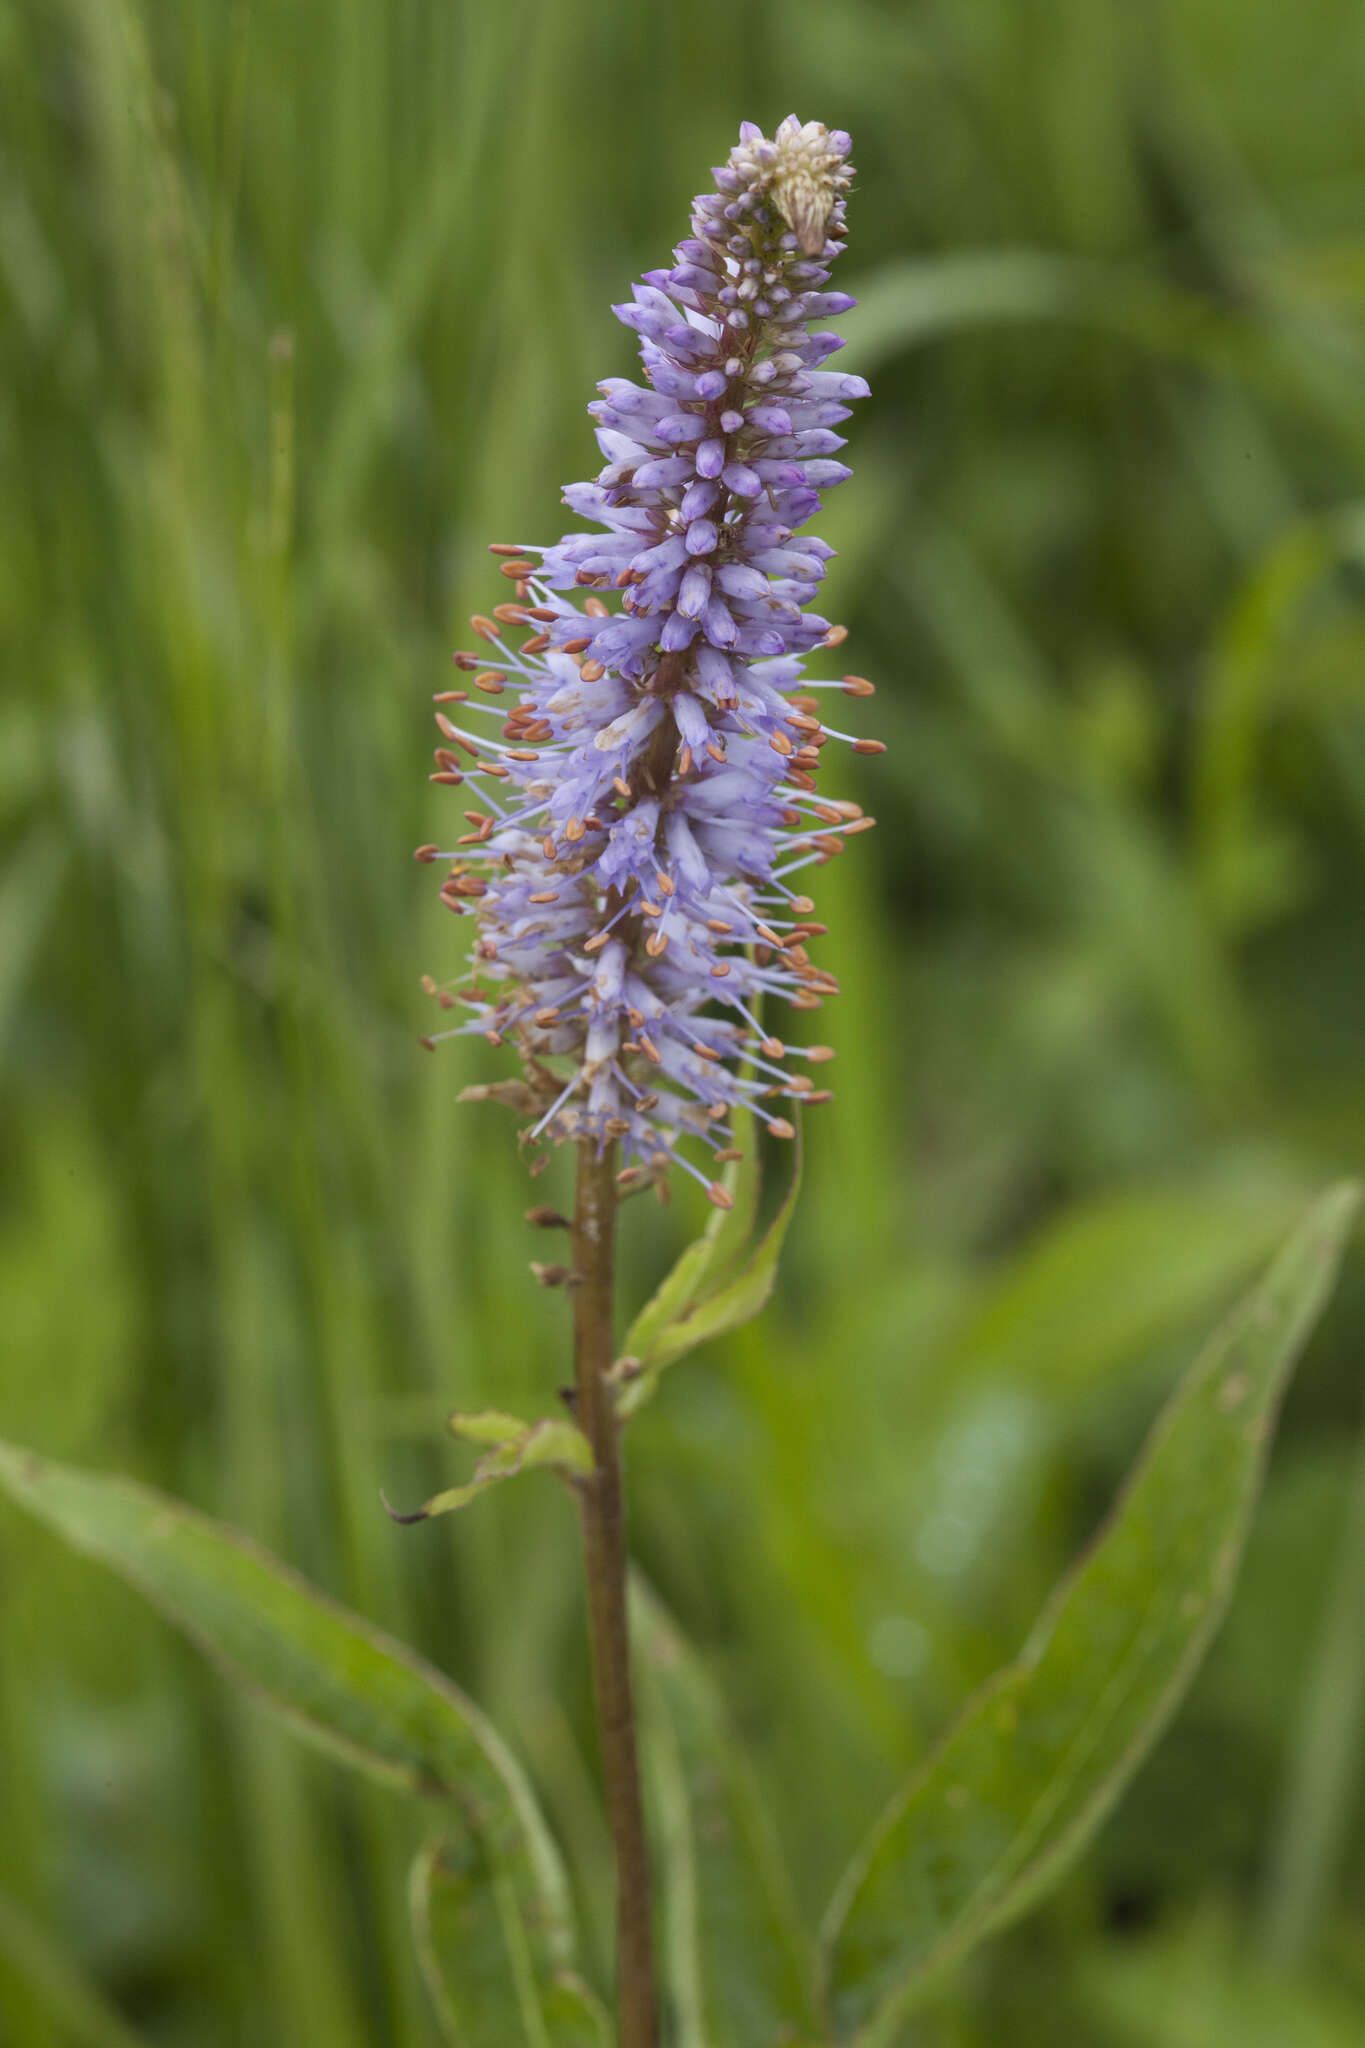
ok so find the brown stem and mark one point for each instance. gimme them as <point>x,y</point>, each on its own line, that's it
<point>602,1511</point>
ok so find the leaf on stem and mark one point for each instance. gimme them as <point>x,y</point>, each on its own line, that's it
<point>515,1446</point>
<point>1017,1788</point>
<point>329,1674</point>
<point>713,1287</point>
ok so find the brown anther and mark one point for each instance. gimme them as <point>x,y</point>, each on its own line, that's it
<point>764,932</point>
<point>774,1048</point>
<point>465,661</point>
<point>596,942</point>
<point>621,786</point>
<point>625,579</point>
<point>859,825</point>
<point>721,1197</point>
<point>718,924</point>
<point>547,847</point>
<point>656,943</point>
<point>718,1113</point>
<point>869,746</point>
<point>510,614</point>
<point>426,853</point>
<point>574,830</point>
<point>451,697</point>
<point>800,1084</point>
<point>835,637</point>
<point>628,1176</point>
<point>544,896</point>
<point>719,969</point>
<point>616,1126</point>
<point>651,1050</point>
<point>446,775</point>
<point>780,744</point>
<point>685,761</point>
<point>502,547</point>
<point>802,702</point>
<point>629,1045</point>
<point>427,1044</point>
<point>491,683</point>
<point>518,571</point>
<point>428,985</point>
<point>665,883</point>
<point>817,1054</point>
<point>801,779</point>
<point>544,612</point>
<point>763,954</point>
<point>592,671</point>
<point>800,721</point>
<point>493,1037</point>
<point>522,754</point>
<point>576,646</point>
<point>545,1018</point>
<point>859,686</point>
<point>804,1000</point>
<point>485,628</point>
<point>803,905</point>
<point>537,643</point>
<point>704,1052</point>
<point>646,1103</point>
<point>731,1153</point>
<point>445,1000</point>
<point>819,1095</point>
<point>595,608</point>
<point>717,753</point>
<point>778,1127</point>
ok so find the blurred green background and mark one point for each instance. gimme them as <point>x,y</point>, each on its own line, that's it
<point>302,303</point>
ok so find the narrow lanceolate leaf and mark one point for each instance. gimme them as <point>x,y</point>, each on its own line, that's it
<point>736,1959</point>
<point>711,1314</point>
<point>335,1679</point>
<point>472,1950</point>
<point>1020,1784</point>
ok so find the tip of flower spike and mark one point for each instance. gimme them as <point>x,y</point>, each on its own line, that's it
<point>721,1197</point>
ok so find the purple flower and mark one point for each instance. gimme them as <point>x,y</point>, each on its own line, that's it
<point>651,794</point>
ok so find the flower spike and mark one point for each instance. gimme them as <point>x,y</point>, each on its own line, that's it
<point>648,784</point>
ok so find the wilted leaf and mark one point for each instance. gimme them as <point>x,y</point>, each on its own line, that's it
<point>1019,1785</point>
<point>333,1677</point>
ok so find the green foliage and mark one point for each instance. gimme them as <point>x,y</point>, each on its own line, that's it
<point>333,1678</point>
<point>736,1954</point>
<point>299,307</point>
<point>701,1298</point>
<point>1021,1783</point>
<point>551,1445</point>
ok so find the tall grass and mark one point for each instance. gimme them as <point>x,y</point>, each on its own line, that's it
<point>301,306</point>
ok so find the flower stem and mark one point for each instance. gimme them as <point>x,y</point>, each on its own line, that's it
<point>602,1512</point>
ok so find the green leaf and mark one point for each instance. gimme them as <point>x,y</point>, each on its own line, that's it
<point>62,1988</point>
<point>1017,1788</point>
<point>726,1234</point>
<point>736,1955</point>
<point>471,1947</point>
<point>551,1445</point>
<point>709,1315</point>
<point>335,1679</point>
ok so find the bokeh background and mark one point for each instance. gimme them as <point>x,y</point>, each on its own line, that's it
<point>302,303</point>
